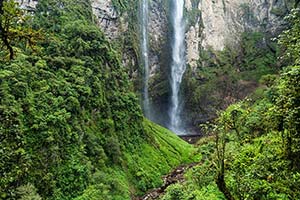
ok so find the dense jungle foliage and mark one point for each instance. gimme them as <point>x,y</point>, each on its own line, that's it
<point>225,77</point>
<point>228,76</point>
<point>70,127</point>
<point>253,147</point>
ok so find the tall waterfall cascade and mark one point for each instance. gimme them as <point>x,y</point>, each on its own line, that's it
<point>145,56</point>
<point>178,65</point>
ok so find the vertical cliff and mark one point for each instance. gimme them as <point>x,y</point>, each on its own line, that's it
<point>224,21</point>
<point>193,32</point>
<point>215,24</point>
<point>235,49</point>
<point>108,18</point>
<point>159,59</point>
<point>211,24</point>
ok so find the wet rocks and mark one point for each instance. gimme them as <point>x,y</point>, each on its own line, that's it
<point>176,176</point>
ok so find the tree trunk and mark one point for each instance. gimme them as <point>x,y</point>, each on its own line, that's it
<point>220,181</point>
<point>3,34</point>
<point>4,39</point>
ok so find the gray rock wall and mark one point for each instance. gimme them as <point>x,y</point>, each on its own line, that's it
<point>193,36</point>
<point>107,18</point>
<point>27,4</point>
<point>158,33</point>
<point>225,20</point>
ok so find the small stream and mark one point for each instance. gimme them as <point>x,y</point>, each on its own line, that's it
<point>176,176</point>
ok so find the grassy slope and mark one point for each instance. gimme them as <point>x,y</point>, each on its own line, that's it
<point>156,157</point>
<point>142,168</point>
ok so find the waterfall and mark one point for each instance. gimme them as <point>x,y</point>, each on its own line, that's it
<point>178,64</point>
<point>145,57</point>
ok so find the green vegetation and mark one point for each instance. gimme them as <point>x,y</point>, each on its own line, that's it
<point>70,125</point>
<point>224,77</point>
<point>278,11</point>
<point>128,43</point>
<point>13,29</point>
<point>290,38</point>
<point>252,151</point>
<point>193,15</point>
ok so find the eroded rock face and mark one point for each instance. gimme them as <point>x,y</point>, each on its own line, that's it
<point>27,4</point>
<point>221,23</point>
<point>114,25</point>
<point>225,20</point>
<point>193,37</point>
<point>158,29</point>
<point>108,19</point>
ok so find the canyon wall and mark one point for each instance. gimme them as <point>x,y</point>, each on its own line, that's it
<point>215,23</point>
<point>221,22</point>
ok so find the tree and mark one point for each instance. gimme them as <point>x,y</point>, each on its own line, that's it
<point>290,38</point>
<point>287,102</point>
<point>225,125</point>
<point>288,108</point>
<point>13,27</point>
<point>4,28</point>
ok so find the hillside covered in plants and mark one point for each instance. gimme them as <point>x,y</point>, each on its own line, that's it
<point>85,83</point>
<point>251,150</point>
<point>70,125</point>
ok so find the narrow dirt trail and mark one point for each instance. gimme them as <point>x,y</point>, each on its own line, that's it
<point>176,176</point>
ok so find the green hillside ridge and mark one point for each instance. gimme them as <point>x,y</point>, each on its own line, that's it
<point>260,159</point>
<point>70,125</point>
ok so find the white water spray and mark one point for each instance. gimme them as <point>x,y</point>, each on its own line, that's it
<point>178,64</point>
<point>145,58</point>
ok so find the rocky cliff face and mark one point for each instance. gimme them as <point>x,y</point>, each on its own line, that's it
<point>27,4</point>
<point>158,59</point>
<point>193,34</point>
<point>225,20</point>
<point>115,25</point>
<point>158,30</point>
<point>217,24</point>
<point>108,19</point>
<point>221,22</point>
